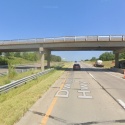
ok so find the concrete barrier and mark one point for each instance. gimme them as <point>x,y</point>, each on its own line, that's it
<point>117,70</point>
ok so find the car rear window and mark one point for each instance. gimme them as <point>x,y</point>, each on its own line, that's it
<point>76,65</point>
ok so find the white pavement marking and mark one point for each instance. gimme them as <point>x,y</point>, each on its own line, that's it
<point>84,96</point>
<point>83,90</point>
<point>62,93</point>
<point>92,76</point>
<point>121,103</point>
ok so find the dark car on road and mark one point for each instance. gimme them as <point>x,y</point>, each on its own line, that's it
<point>76,67</point>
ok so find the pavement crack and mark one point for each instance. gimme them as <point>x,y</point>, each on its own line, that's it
<point>50,116</point>
<point>85,123</point>
<point>55,87</point>
<point>96,122</point>
<point>115,88</point>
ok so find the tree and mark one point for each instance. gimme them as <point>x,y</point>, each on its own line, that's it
<point>87,60</point>
<point>17,54</point>
<point>25,55</point>
<point>3,61</point>
<point>55,58</point>
<point>93,59</point>
<point>32,56</point>
<point>122,56</point>
<point>9,54</point>
<point>107,56</point>
<point>58,58</point>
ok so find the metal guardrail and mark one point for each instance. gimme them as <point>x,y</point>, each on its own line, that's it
<point>17,70</point>
<point>17,83</point>
<point>3,74</point>
<point>66,39</point>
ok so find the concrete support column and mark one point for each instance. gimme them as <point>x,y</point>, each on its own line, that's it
<point>117,60</point>
<point>41,50</point>
<point>48,53</point>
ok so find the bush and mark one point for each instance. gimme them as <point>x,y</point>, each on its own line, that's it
<point>3,61</point>
<point>11,70</point>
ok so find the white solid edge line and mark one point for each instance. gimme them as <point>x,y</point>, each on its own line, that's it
<point>121,103</point>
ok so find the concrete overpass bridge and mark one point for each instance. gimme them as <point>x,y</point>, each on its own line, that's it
<point>72,43</point>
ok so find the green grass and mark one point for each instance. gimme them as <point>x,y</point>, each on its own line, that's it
<point>5,79</point>
<point>17,60</point>
<point>109,64</point>
<point>16,102</point>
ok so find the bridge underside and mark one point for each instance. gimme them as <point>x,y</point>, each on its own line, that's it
<point>64,49</point>
<point>85,49</point>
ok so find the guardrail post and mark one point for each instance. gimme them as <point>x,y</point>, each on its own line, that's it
<point>75,39</point>
<point>123,38</point>
<point>64,39</point>
<point>97,38</point>
<point>109,38</point>
<point>86,38</point>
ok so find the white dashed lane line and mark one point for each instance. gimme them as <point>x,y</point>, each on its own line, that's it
<point>92,76</point>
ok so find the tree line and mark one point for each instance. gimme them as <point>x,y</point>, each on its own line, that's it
<point>54,58</point>
<point>107,56</point>
<point>31,56</point>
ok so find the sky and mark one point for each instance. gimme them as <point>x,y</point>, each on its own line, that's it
<point>25,19</point>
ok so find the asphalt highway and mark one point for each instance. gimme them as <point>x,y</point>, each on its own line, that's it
<point>92,96</point>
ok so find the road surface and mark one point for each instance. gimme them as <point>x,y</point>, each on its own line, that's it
<point>92,96</point>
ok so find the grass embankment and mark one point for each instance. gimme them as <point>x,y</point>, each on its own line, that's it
<point>16,102</point>
<point>107,64</point>
<point>56,64</point>
<point>5,79</point>
<point>17,60</point>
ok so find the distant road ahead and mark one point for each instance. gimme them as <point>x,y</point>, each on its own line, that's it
<point>87,97</point>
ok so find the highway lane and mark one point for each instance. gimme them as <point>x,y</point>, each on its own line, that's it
<point>77,98</point>
<point>112,82</point>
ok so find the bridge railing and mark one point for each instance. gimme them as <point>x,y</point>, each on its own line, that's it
<point>66,39</point>
<point>91,38</point>
<point>60,39</point>
<point>80,38</point>
<point>103,38</point>
<point>116,38</point>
